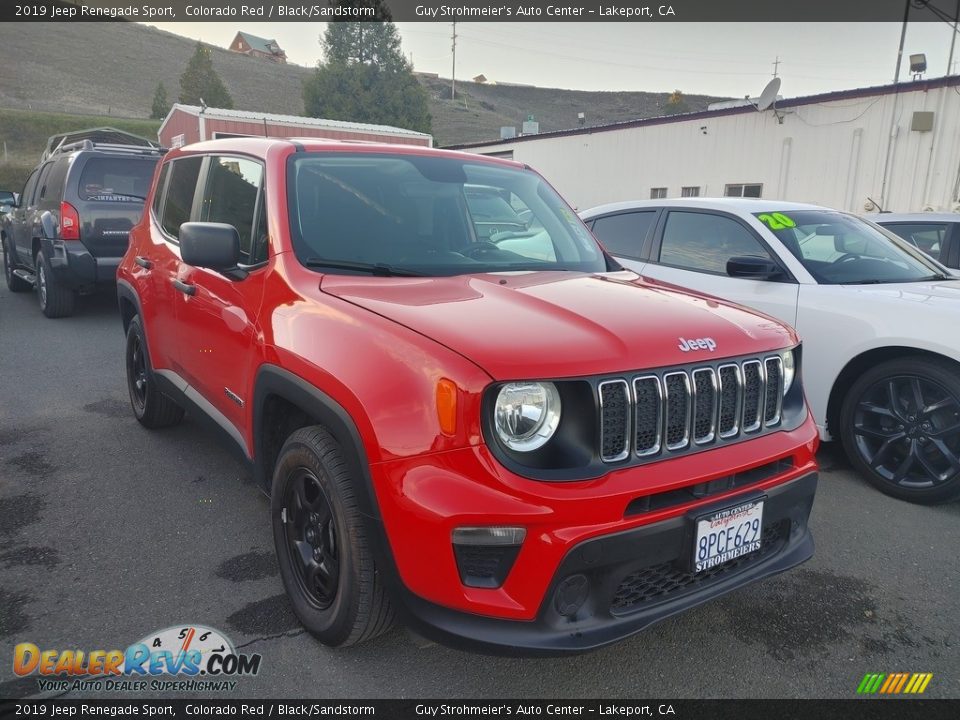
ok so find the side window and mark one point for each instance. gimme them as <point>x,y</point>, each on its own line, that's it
<point>926,236</point>
<point>25,196</point>
<point>180,191</point>
<point>704,242</point>
<point>624,234</point>
<point>158,194</point>
<point>51,191</point>
<point>41,189</point>
<point>230,196</point>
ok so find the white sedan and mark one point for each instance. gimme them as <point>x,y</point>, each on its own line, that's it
<point>880,320</point>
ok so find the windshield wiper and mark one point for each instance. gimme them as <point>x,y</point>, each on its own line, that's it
<point>938,276</point>
<point>893,281</point>
<point>376,269</point>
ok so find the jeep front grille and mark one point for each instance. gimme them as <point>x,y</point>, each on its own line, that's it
<point>688,408</point>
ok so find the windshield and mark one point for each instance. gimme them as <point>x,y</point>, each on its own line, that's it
<point>417,215</point>
<point>840,249</point>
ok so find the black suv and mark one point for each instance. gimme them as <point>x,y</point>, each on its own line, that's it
<point>69,229</point>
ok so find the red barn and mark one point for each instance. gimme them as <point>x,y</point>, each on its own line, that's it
<point>187,124</point>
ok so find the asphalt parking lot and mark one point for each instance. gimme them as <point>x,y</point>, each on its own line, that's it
<point>108,532</point>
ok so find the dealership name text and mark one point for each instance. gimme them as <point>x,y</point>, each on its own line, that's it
<point>520,11</point>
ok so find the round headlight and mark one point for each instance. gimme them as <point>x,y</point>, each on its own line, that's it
<point>526,414</point>
<point>789,369</point>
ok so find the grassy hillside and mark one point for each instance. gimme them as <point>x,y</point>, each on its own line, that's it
<point>24,133</point>
<point>481,109</point>
<point>113,68</point>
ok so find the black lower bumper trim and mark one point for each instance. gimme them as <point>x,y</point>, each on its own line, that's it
<point>609,613</point>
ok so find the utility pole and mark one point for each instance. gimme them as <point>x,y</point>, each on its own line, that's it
<point>893,111</point>
<point>776,63</point>
<point>953,40</point>
<point>903,37</point>
<point>453,74</point>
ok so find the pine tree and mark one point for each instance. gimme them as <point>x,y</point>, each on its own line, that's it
<point>200,83</point>
<point>161,106</point>
<point>366,78</point>
<point>676,104</point>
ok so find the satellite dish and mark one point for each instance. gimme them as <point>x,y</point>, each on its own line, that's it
<point>769,95</point>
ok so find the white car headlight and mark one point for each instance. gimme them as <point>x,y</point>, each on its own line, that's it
<point>789,369</point>
<point>526,414</point>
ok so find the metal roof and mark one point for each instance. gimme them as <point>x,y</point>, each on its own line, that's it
<point>295,120</point>
<point>910,86</point>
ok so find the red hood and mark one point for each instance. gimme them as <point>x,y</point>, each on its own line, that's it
<point>562,324</point>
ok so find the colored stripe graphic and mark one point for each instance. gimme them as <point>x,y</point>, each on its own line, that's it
<point>894,683</point>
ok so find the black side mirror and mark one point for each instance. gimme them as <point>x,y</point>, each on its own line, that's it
<point>215,246</point>
<point>48,225</point>
<point>753,268</point>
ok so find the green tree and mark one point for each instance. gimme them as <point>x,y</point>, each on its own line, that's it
<point>676,104</point>
<point>161,106</point>
<point>200,83</point>
<point>366,78</point>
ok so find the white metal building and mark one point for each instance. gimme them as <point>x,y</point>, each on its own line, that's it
<point>897,145</point>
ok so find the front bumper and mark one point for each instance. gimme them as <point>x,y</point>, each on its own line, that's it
<point>634,579</point>
<point>604,529</point>
<point>75,267</point>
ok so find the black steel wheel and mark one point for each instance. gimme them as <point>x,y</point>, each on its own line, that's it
<point>900,425</point>
<point>150,406</point>
<point>322,542</point>
<point>312,539</point>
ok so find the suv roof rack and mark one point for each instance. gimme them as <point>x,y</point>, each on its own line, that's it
<point>102,138</point>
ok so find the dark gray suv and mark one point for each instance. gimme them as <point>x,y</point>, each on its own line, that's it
<point>70,227</point>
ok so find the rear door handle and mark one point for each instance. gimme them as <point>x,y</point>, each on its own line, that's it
<point>185,288</point>
<point>143,262</point>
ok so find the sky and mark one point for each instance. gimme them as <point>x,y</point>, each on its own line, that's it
<point>724,59</point>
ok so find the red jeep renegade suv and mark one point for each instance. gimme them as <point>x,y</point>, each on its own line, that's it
<point>463,410</point>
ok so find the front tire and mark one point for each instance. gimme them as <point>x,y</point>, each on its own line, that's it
<point>14,283</point>
<point>56,300</point>
<point>900,426</point>
<point>322,543</point>
<point>150,406</point>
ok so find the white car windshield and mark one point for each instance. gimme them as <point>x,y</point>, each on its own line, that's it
<point>840,249</point>
<point>409,214</point>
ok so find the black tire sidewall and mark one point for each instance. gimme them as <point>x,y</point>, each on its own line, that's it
<point>60,299</point>
<point>939,371</point>
<point>43,268</point>
<point>334,624</point>
<point>135,330</point>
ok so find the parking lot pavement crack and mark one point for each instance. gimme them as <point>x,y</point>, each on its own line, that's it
<point>265,638</point>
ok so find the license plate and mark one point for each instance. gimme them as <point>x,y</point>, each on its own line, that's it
<point>727,534</point>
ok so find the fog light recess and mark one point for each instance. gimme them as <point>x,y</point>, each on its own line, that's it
<point>485,554</point>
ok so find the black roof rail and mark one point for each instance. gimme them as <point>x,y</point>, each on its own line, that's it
<point>111,147</point>
<point>103,137</point>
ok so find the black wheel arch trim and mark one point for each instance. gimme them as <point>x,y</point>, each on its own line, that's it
<point>274,380</point>
<point>126,292</point>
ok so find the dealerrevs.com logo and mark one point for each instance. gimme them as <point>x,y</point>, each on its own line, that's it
<point>184,658</point>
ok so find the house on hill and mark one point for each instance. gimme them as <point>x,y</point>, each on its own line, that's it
<point>258,47</point>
